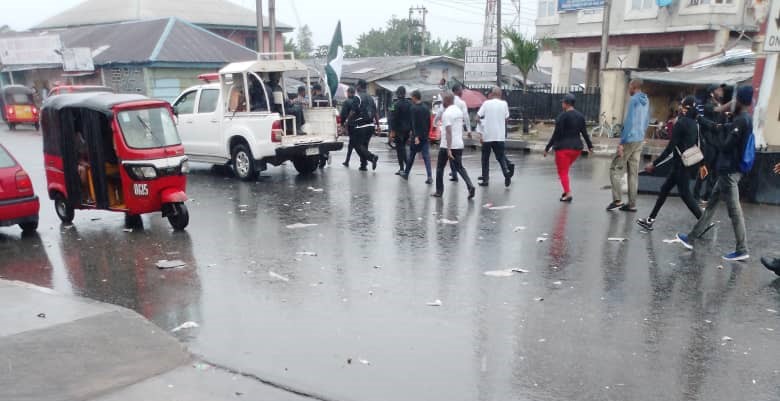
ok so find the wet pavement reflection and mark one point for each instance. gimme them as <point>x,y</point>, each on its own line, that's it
<point>323,284</point>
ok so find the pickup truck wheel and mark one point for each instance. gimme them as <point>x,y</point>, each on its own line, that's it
<point>243,162</point>
<point>306,164</point>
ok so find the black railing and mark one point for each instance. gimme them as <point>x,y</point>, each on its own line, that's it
<point>544,103</point>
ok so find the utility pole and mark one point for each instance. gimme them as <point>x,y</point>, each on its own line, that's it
<point>413,24</point>
<point>605,34</point>
<point>259,12</point>
<point>272,24</point>
<point>498,44</point>
<point>422,46</point>
<point>409,34</point>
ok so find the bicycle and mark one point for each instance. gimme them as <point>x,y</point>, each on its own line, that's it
<point>612,130</point>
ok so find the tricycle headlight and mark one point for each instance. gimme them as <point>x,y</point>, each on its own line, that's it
<point>185,167</point>
<point>144,172</point>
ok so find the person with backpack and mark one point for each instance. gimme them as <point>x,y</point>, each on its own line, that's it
<point>773,264</point>
<point>364,118</point>
<point>685,137</point>
<point>421,127</point>
<point>400,125</point>
<point>705,179</point>
<point>736,146</point>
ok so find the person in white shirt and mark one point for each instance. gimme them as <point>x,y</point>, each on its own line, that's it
<point>493,115</point>
<point>451,145</point>
<point>457,90</point>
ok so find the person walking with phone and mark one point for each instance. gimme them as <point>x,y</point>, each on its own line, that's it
<point>685,136</point>
<point>451,148</point>
<point>732,141</point>
<point>567,142</point>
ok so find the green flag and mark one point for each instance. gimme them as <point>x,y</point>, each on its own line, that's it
<point>335,61</point>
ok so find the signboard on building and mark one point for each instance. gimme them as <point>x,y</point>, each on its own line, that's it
<point>77,59</point>
<point>772,43</point>
<point>573,5</point>
<point>480,67</point>
<point>30,50</point>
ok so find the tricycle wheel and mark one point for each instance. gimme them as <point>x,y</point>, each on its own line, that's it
<point>133,221</point>
<point>306,164</point>
<point>243,162</point>
<point>37,126</point>
<point>63,208</point>
<point>11,126</point>
<point>28,227</point>
<point>179,216</point>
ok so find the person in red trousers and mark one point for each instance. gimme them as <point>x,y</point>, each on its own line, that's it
<point>567,143</point>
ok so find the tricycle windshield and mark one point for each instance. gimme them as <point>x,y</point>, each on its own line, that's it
<point>18,98</point>
<point>148,128</point>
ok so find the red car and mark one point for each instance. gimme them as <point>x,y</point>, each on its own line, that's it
<point>18,203</point>
<point>62,89</point>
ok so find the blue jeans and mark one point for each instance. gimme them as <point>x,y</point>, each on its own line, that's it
<point>726,189</point>
<point>424,148</point>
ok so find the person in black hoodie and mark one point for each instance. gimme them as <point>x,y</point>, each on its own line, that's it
<point>711,110</point>
<point>421,126</point>
<point>567,143</point>
<point>685,135</point>
<point>349,128</point>
<point>400,122</point>
<point>730,139</point>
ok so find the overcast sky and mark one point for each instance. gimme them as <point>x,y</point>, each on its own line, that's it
<point>446,19</point>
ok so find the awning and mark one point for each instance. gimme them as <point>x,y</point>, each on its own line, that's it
<point>28,67</point>
<point>427,90</point>
<point>730,74</point>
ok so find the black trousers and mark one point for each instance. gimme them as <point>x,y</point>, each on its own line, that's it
<point>499,150</point>
<point>350,144</point>
<point>679,178</point>
<point>401,139</point>
<point>456,163</point>
<point>362,138</point>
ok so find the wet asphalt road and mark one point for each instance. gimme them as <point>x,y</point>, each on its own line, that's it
<point>634,320</point>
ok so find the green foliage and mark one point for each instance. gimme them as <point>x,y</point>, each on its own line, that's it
<point>305,43</point>
<point>393,40</point>
<point>524,52</point>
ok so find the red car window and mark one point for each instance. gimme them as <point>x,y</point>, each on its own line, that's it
<point>5,159</point>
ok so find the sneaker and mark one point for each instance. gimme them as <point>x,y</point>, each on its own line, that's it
<point>614,206</point>
<point>647,223</point>
<point>683,238</point>
<point>404,175</point>
<point>472,191</point>
<point>345,164</point>
<point>628,208</point>
<point>483,184</point>
<point>508,181</point>
<point>399,172</point>
<point>736,256</point>
<point>453,179</point>
<point>374,161</point>
<point>773,264</point>
<point>511,170</point>
<point>436,194</point>
<point>363,168</point>
<point>429,181</point>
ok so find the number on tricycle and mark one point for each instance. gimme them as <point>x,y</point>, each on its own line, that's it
<point>141,189</point>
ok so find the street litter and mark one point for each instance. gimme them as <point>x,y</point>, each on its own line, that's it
<point>365,362</point>
<point>278,276</point>
<point>538,299</point>
<point>128,230</point>
<point>435,303</point>
<point>616,239</point>
<point>518,228</point>
<point>184,326</point>
<point>499,273</point>
<point>377,266</point>
<point>487,205</point>
<point>243,206</point>
<point>771,311</point>
<point>519,270</point>
<point>95,218</point>
<point>542,340</point>
<point>558,283</point>
<point>306,253</point>
<point>42,315</point>
<point>169,264</point>
<point>505,207</point>
<point>212,265</point>
<point>672,241</point>
<point>541,239</point>
<point>201,366</point>
<point>720,267</point>
<point>301,225</point>
<point>446,221</point>
<point>726,338</point>
<point>708,321</point>
<point>315,189</point>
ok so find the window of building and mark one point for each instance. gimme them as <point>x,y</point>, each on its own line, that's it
<point>547,8</point>
<point>251,43</point>
<point>639,5</point>
<point>660,59</point>
<point>641,9</point>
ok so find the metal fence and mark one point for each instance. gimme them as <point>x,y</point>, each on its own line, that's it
<point>540,104</point>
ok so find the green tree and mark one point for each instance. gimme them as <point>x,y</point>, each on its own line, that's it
<point>305,44</point>
<point>524,52</point>
<point>290,46</point>
<point>351,51</point>
<point>393,40</point>
<point>458,47</point>
<point>321,52</point>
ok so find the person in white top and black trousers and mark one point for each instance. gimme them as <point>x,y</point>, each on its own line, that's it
<point>493,115</point>
<point>451,145</point>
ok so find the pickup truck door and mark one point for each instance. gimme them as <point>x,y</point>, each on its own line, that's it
<point>206,123</point>
<point>184,107</point>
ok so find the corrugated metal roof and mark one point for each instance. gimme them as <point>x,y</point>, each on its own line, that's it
<point>729,74</point>
<point>164,40</point>
<point>200,12</point>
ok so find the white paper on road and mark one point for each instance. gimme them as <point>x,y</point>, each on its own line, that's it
<point>538,299</point>
<point>447,221</point>
<point>301,225</point>
<point>306,253</point>
<point>771,311</point>
<point>499,273</point>
<point>541,239</point>
<point>278,276</point>
<point>316,189</point>
<point>169,264</point>
<point>616,239</point>
<point>505,207</point>
<point>519,270</point>
<point>672,241</point>
<point>435,303</point>
<point>518,228</point>
<point>184,326</point>
<point>726,338</point>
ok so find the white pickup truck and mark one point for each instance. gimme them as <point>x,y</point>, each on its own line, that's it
<point>245,120</point>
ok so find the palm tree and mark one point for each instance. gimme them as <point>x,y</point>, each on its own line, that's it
<point>523,53</point>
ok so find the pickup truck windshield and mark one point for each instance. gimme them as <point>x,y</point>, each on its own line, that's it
<point>148,128</point>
